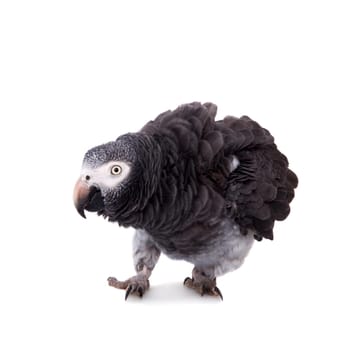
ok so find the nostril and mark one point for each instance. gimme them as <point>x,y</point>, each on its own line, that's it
<point>87,177</point>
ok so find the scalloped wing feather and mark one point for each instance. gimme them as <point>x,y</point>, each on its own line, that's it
<point>197,177</point>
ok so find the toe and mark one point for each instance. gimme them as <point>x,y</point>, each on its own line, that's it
<point>113,282</point>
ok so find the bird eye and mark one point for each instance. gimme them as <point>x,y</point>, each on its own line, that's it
<point>116,170</point>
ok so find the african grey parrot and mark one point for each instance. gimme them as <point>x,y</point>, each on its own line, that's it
<point>194,189</point>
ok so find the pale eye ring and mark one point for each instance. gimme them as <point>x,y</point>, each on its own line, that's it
<point>116,170</point>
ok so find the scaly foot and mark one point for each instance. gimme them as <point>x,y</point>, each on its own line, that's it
<point>135,285</point>
<point>202,284</point>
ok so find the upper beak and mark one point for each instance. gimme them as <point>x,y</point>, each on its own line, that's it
<point>81,196</point>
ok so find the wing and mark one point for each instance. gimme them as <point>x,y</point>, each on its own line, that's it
<point>259,190</point>
<point>198,181</point>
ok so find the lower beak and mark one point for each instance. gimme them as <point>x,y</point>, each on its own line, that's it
<point>81,196</point>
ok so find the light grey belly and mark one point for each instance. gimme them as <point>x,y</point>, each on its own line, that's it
<point>226,252</point>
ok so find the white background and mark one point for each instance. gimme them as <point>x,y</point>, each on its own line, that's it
<point>75,74</point>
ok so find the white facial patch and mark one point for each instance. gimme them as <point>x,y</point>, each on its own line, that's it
<point>105,176</point>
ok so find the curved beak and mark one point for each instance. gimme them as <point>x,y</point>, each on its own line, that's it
<point>81,196</point>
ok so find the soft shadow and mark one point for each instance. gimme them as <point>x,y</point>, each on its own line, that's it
<point>173,293</point>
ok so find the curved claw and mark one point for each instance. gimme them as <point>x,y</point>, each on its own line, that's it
<point>187,279</point>
<point>133,288</point>
<point>128,291</point>
<point>218,292</point>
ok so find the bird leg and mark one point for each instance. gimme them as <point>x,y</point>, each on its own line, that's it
<point>202,283</point>
<point>145,255</point>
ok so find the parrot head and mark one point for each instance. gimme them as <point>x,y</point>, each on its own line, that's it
<point>117,177</point>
